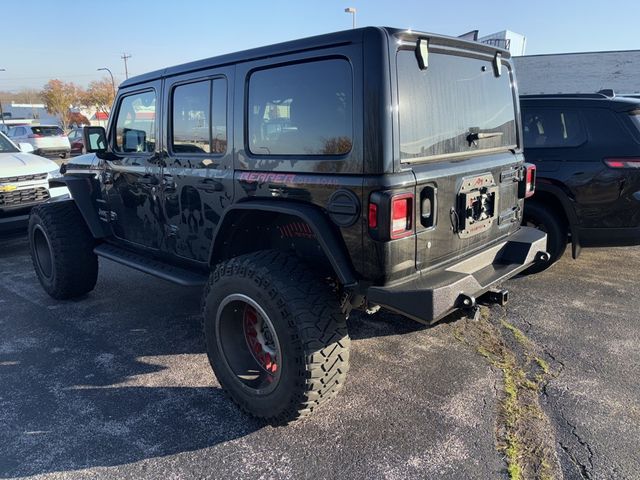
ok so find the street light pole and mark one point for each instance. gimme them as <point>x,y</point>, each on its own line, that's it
<point>352,11</point>
<point>113,83</point>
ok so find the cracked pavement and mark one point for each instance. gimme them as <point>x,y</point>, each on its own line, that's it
<point>586,316</point>
<point>118,385</point>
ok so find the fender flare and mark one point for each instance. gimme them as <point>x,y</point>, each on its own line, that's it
<point>330,242</point>
<point>563,200</point>
<point>84,190</point>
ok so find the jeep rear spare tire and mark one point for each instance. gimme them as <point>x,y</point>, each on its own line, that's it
<point>276,337</point>
<point>62,250</point>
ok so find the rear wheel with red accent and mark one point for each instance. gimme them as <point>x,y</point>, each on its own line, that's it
<point>276,337</point>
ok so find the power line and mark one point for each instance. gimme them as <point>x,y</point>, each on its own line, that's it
<point>124,57</point>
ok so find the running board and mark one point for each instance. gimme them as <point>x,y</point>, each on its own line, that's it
<point>159,269</point>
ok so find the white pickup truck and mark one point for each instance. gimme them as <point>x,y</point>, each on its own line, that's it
<point>24,183</point>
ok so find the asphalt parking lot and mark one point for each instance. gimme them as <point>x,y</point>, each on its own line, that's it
<point>117,385</point>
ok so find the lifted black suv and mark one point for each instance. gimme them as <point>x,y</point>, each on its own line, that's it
<point>360,169</point>
<point>587,151</point>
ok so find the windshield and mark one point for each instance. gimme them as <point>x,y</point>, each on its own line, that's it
<point>6,146</point>
<point>456,106</point>
<point>47,131</point>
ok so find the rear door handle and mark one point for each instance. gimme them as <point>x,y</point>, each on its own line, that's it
<point>211,184</point>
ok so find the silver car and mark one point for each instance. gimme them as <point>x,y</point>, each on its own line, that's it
<point>47,140</point>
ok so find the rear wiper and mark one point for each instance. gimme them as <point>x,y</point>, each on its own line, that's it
<point>474,136</point>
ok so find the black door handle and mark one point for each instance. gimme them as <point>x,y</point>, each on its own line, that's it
<point>211,184</point>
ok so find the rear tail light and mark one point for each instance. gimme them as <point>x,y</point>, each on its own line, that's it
<point>35,135</point>
<point>402,215</point>
<point>373,215</point>
<point>391,216</point>
<point>622,162</point>
<point>528,188</point>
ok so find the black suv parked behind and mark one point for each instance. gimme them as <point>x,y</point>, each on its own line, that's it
<point>587,151</point>
<point>362,169</point>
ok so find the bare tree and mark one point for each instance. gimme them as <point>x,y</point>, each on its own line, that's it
<point>100,95</point>
<point>24,95</point>
<point>59,97</point>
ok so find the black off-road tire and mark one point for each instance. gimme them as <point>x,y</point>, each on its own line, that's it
<point>62,250</point>
<point>545,219</point>
<point>309,325</point>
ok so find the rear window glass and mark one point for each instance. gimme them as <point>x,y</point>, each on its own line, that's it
<point>455,96</point>
<point>191,118</point>
<point>552,128</point>
<point>47,131</point>
<point>301,109</point>
<point>200,121</point>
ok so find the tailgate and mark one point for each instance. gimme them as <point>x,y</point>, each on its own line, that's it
<point>466,204</point>
<point>459,135</point>
<point>56,142</point>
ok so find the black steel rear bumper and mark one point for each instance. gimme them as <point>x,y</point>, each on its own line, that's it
<point>435,294</point>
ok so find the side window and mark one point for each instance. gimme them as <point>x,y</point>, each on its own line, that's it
<point>135,125</point>
<point>199,122</point>
<point>552,128</point>
<point>301,109</point>
<point>191,118</point>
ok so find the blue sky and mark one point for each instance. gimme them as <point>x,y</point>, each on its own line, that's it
<point>71,40</point>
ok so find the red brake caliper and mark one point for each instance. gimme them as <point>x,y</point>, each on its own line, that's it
<point>253,325</point>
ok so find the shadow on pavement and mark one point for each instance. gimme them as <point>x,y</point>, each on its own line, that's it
<point>117,377</point>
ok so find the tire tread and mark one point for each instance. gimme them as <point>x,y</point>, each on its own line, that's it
<point>75,264</point>
<point>316,320</point>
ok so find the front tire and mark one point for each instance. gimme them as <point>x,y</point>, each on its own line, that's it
<point>276,337</point>
<point>62,250</point>
<point>545,219</point>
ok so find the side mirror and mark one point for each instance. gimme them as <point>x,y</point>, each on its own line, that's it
<point>95,139</point>
<point>25,147</point>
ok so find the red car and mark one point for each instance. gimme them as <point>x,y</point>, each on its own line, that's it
<point>75,139</point>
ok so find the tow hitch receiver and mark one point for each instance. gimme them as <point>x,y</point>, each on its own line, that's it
<point>494,296</point>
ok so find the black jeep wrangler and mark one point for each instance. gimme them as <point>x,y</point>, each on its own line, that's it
<point>362,169</point>
<point>586,148</point>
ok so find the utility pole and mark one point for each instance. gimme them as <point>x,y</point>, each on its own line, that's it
<point>124,57</point>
